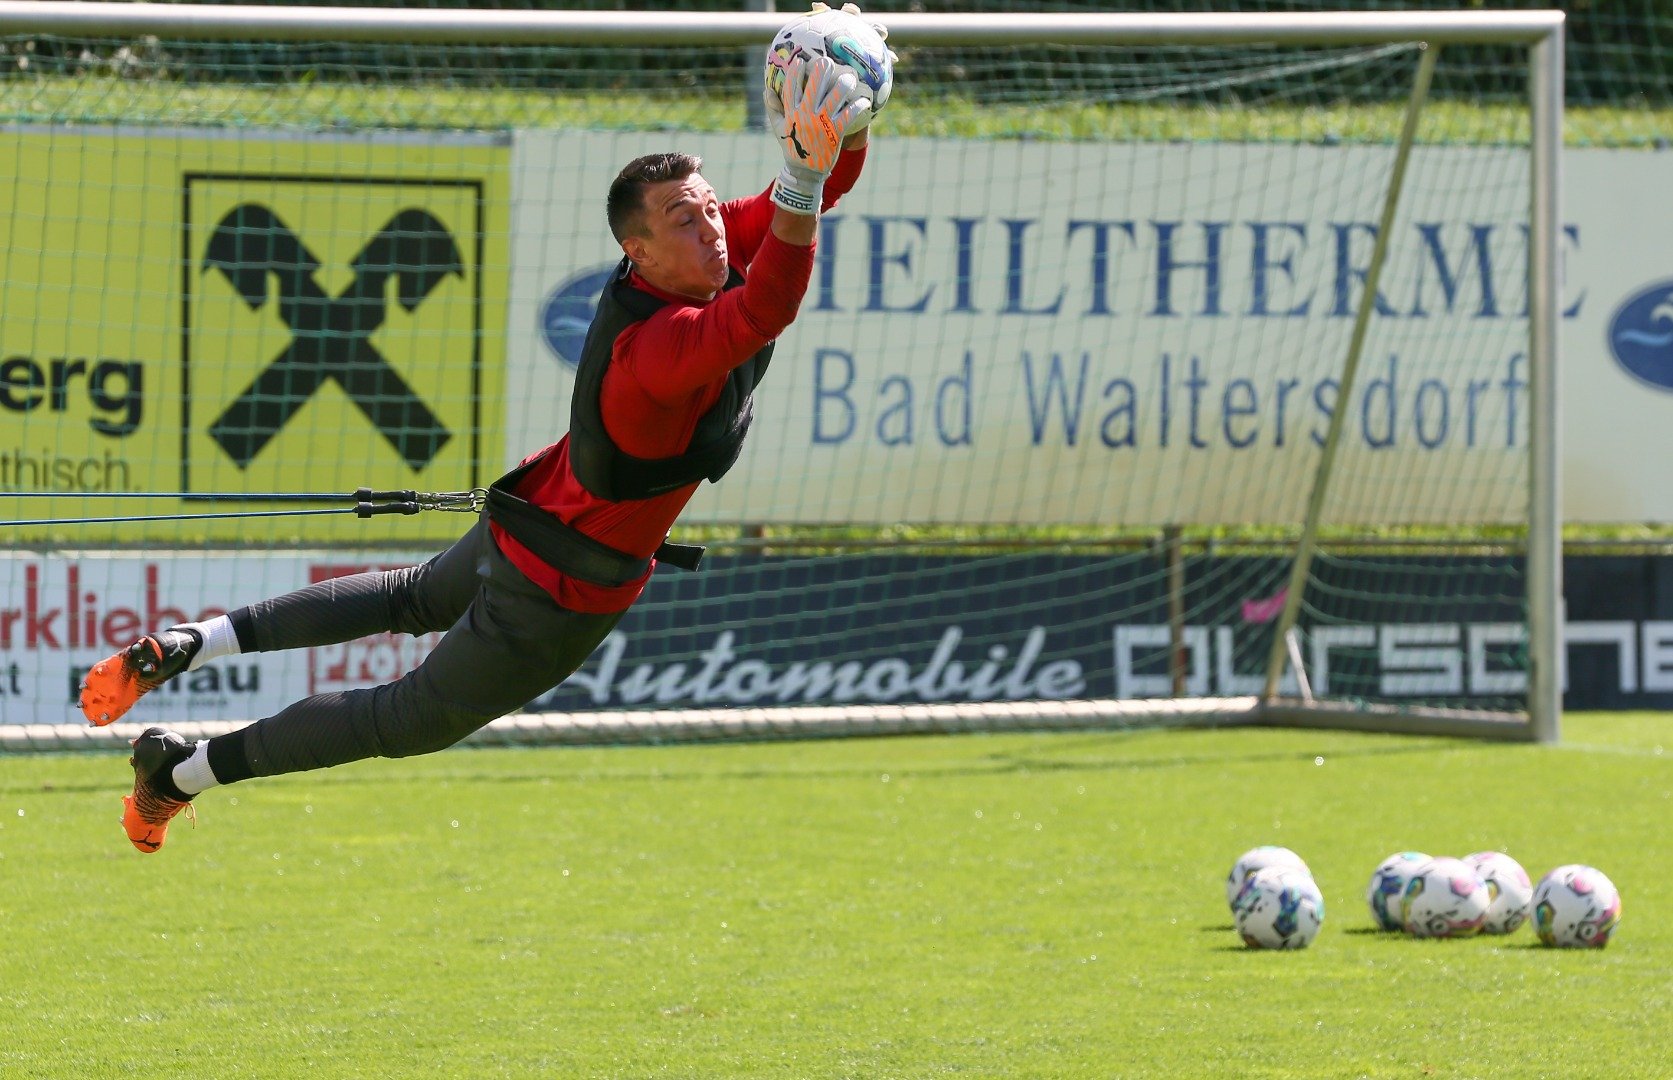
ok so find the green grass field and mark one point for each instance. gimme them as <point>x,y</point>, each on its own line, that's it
<point>1006,906</point>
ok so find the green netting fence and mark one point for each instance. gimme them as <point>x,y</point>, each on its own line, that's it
<point>1619,72</point>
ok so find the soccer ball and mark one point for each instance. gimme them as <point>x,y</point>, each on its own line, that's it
<point>1279,907</point>
<point>1576,907</point>
<point>1388,885</point>
<point>1507,886</point>
<point>1259,859</point>
<point>846,38</point>
<point>1445,898</point>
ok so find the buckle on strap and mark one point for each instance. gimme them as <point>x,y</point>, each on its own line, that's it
<point>684,556</point>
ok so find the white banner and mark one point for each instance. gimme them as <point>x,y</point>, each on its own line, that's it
<point>59,616</point>
<point>1618,337</point>
<point>1137,334</point>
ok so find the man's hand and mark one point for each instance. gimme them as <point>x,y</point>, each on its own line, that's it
<point>821,103</point>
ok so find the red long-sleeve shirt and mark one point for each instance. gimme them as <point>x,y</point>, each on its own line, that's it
<point>665,373</point>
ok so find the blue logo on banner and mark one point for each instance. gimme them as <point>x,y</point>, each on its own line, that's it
<point>568,311</point>
<point>1641,335</point>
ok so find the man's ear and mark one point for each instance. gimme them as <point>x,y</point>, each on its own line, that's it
<point>635,248</point>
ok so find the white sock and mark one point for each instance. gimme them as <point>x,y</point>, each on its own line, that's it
<point>194,774</point>
<point>219,640</point>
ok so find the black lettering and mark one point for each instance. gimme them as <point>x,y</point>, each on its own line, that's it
<point>19,373</point>
<point>129,404</point>
<point>63,370</point>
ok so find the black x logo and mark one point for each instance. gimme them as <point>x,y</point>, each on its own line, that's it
<point>331,336</point>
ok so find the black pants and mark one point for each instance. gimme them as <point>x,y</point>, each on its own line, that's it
<point>507,642</point>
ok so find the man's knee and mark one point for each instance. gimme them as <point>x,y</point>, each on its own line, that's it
<point>422,602</point>
<point>423,725</point>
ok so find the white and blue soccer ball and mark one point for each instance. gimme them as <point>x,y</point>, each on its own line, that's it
<point>1256,859</point>
<point>1445,898</point>
<point>1576,907</point>
<point>1279,907</point>
<point>1509,890</point>
<point>1388,885</point>
<point>845,37</point>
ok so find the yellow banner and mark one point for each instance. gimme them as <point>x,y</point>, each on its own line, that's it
<point>247,313</point>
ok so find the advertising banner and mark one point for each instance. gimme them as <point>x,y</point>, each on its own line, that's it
<point>1617,386</point>
<point>1146,334</point>
<point>782,631</point>
<point>250,312</point>
<point>59,616</point>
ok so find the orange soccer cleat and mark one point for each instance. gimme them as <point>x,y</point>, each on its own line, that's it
<point>147,812</point>
<point>114,684</point>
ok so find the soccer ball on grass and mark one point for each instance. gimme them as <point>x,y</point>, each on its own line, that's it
<point>846,37</point>
<point>1508,888</point>
<point>1279,907</point>
<point>1576,907</point>
<point>1388,885</point>
<point>1445,898</point>
<point>1256,859</point>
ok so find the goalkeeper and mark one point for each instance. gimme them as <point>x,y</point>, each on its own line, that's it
<point>662,401</point>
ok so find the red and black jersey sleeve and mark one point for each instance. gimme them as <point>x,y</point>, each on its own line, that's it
<point>749,220</point>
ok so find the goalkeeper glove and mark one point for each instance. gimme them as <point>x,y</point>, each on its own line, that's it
<point>821,102</point>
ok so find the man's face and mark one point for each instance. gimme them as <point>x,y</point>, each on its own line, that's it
<point>685,251</point>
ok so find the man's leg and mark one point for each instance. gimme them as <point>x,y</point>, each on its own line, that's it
<point>511,645</point>
<point>492,662</point>
<point>413,600</point>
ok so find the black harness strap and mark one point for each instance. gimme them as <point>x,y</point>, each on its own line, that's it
<point>568,549</point>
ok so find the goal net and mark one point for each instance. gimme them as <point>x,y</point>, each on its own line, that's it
<point>1185,369</point>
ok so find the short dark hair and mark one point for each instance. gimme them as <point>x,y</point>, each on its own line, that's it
<point>626,205</point>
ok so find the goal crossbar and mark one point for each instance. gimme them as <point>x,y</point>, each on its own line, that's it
<point>431,26</point>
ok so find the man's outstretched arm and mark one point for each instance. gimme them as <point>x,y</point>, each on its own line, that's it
<point>695,346</point>
<point>749,219</point>
<point>822,103</point>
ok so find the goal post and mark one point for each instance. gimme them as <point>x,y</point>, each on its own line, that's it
<point>1186,369</point>
<point>1544,524</point>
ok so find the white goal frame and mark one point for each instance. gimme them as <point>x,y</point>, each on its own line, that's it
<point>1541,32</point>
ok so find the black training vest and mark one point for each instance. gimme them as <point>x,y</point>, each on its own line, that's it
<point>604,468</point>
